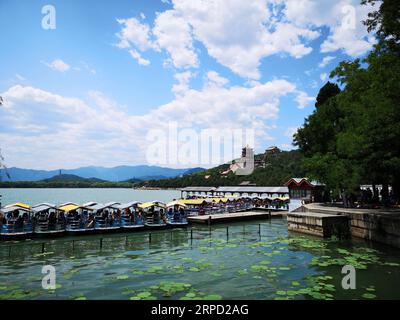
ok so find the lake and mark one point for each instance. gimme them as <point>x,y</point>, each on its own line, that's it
<point>246,260</point>
<point>80,196</point>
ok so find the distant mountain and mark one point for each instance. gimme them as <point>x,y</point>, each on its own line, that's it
<point>120,173</point>
<point>70,177</point>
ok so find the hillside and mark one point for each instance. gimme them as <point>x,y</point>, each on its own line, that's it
<point>279,168</point>
<point>119,173</point>
<point>70,177</point>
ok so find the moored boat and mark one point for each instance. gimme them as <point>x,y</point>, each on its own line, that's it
<point>16,221</point>
<point>107,217</point>
<point>131,218</point>
<point>154,214</point>
<point>48,220</point>
<point>176,214</point>
<point>78,219</point>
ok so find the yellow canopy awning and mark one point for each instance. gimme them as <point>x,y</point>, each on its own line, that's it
<point>176,203</point>
<point>69,207</point>
<point>193,201</point>
<point>282,198</point>
<point>19,204</point>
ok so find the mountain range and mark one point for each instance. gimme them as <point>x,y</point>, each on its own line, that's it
<point>119,173</point>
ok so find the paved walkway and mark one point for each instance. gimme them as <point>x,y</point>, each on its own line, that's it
<point>321,207</point>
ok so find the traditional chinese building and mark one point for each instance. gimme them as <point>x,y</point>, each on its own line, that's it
<point>304,189</point>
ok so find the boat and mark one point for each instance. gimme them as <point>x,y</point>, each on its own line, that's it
<point>195,207</point>
<point>131,219</point>
<point>16,221</point>
<point>48,220</point>
<point>106,216</point>
<point>78,219</point>
<point>176,214</point>
<point>154,214</point>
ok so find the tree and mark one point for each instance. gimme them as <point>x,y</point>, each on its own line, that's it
<point>353,136</point>
<point>385,21</point>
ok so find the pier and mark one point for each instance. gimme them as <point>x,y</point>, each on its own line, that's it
<point>319,224</point>
<point>237,216</point>
<point>380,225</point>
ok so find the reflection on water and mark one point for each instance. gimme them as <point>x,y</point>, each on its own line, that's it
<point>254,260</point>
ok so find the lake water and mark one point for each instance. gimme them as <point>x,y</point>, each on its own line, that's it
<point>245,264</point>
<point>249,260</point>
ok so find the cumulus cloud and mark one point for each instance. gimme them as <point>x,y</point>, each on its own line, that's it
<point>76,129</point>
<point>183,79</point>
<point>343,18</point>
<point>58,65</point>
<point>325,61</point>
<point>303,100</point>
<point>214,79</point>
<point>250,32</point>
<point>137,56</point>
<point>134,33</point>
<point>173,34</point>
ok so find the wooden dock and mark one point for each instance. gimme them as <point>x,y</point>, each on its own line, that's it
<point>231,217</point>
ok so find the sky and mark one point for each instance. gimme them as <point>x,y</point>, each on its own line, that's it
<point>106,83</point>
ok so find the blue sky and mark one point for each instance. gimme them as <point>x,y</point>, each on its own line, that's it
<point>90,91</point>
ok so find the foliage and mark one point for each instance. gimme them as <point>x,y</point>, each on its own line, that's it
<point>279,169</point>
<point>353,136</point>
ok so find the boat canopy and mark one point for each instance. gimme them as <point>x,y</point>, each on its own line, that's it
<point>89,204</point>
<point>194,201</point>
<point>19,204</point>
<point>112,204</point>
<point>42,207</point>
<point>127,205</point>
<point>69,207</point>
<point>151,204</point>
<point>8,209</point>
<point>49,205</point>
<point>176,203</point>
<point>282,198</point>
<point>101,206</point>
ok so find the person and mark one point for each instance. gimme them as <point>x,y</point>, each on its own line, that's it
<point>170,212</point>
<point>2,219</point>
<point>181,212</point>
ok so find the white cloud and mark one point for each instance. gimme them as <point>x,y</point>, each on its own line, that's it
<point>290,131</point>
<point>68,131</point>
<point>142,15</point>
<point>343,18</point>
<point>250,32</point>
<point>136,55</point>
<point>58,65</point>
<point>214,79</point>
<point>323,77</point>
<point>240,39</point>
<point>303,99</point>
<point>173,34</point>
<point>325,61</point>
<point>183,79</point>
<point>134,33</point>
